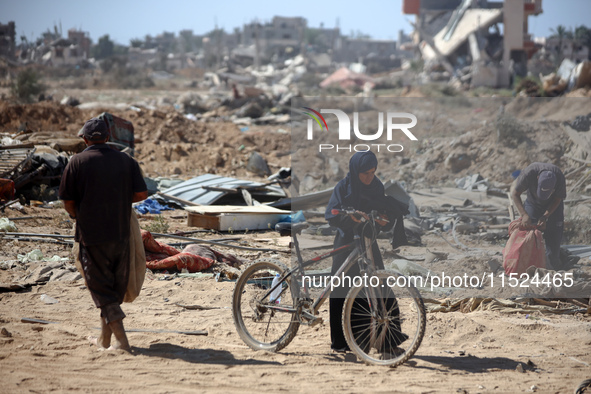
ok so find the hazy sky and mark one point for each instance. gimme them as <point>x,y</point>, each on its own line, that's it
<point>126,19</point>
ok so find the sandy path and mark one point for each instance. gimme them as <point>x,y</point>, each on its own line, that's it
<point>57,357</point>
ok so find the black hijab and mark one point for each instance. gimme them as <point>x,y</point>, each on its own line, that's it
<point>351,192</point>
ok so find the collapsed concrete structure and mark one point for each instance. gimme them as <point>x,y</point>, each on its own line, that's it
<point>7,40</point>
<point>464,38</point>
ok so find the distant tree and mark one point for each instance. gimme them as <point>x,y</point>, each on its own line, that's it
<point>311,36</point>
<point>186,37</point>
<point>215,34</point>
<point>120,50</point>
<point>560,33</point>
<point>167,42</point>
<point>583,36</point>
<point>104,48</point>
<point>149,42</point>
<point>136,43</point>
<point>27,86</point>
<point>359,35</point>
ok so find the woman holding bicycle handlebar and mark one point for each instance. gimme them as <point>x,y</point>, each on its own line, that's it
<point>363,191</point>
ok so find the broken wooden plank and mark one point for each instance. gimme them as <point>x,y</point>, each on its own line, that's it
<point>17,147</point>
<point>199,307</point>
<point>36,321</point>
<point>235,218</point>
<point>234,221</point>
<point>195,332</point>
<point>580,139</point>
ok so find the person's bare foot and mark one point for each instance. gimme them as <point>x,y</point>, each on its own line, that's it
<point>94,341</point>
<point>118,331</point>
<point>103,341</point>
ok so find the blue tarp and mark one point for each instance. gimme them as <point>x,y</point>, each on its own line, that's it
<point>150,206</point>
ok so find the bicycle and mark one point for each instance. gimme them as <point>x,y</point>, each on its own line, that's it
<point>383,322</point>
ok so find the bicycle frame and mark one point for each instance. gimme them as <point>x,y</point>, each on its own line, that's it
<point>356,248</point>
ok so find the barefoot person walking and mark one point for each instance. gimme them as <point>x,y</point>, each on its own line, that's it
<point>98,187</point>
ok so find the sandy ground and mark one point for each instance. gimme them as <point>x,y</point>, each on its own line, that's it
<point>483,351</point>
<point>476,352</point>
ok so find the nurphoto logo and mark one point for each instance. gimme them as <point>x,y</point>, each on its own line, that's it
<point>393,125</point>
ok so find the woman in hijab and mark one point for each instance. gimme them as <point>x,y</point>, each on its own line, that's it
<point>363,191</point>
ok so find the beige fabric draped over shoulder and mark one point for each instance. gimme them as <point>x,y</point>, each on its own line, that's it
<point>137,260</point>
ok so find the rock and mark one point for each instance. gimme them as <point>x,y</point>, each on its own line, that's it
<point>5,333</point>
<point>70,277</point>
<point>191,103</point>
<point>582,123</point>
<point>519,368</point>
<point>431,257</point>
<point>251,110</point>
<point>335,168</point>
<point>257,165</point>
<point>56,265</point>
<point>71,101</point>
<point>467,228</point>
<point>74,145</point>
<point>494,265</point>
<point>457,162</point>
<point>64,275</point>
<point>48,300</point>
<point>40,274</point>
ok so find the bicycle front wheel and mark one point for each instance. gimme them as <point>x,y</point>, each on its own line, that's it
<point>259,318</point>
<point>384,319</point>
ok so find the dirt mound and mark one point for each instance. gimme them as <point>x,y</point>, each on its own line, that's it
<point>167,143</point>
<point>44,116</point>
<point>489,152</point>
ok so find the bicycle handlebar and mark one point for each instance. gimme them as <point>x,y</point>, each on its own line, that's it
<point>362,216</point>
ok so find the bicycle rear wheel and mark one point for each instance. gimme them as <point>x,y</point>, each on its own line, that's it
<point>383,322</point>
<point>259,326</point>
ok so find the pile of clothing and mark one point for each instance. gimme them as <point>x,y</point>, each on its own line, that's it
<point>193,258</point>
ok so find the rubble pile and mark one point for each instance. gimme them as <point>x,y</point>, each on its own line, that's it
<point>167,142</point>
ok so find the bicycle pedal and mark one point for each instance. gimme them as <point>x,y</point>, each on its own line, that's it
<point>316,321</point>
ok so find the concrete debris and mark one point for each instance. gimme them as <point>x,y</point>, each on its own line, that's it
<point>568,77</point>
<point>71,101</point>
<point>39,269</point>
<point>347,79</point>
<point>457,162</point>
<point>462,41</point>
<point>209,189</point>
<point>257,165</point>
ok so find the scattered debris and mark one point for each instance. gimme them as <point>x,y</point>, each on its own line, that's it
<point>208,189</point>
<point>235,218</point>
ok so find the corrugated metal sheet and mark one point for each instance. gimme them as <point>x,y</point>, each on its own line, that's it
<point>12,157</point>
<point>578,250</point>
<point>308,201</point>
<point>196,189</point>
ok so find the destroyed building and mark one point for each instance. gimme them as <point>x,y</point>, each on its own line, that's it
<point>564,47</point>
<point>466,40</point>
<point>281,38</point>
<point>256,43</point>
<point>69,51</point>
<point>7,40</point>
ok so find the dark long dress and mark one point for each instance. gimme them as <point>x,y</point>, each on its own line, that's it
<point>352,193</point>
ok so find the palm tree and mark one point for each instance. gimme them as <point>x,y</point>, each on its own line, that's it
<point>559,32</point>
<point>583,36</point>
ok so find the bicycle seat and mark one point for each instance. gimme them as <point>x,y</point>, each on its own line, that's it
<point>298,227</point>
